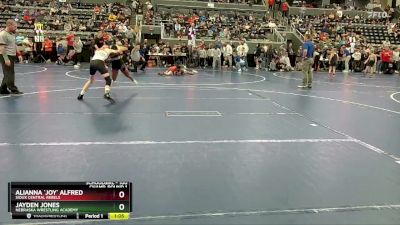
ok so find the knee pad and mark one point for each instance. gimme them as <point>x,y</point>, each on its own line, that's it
<point>108,80</point>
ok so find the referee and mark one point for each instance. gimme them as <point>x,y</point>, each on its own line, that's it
<point>8,51</point>
<point>308,61</point>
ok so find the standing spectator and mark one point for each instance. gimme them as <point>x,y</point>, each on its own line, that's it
<point>357,67</point>
<point>177,27</point>
<point>134,5</point>
<point>332,60</point>
<point>291,54</point>
<point>227,51</point>
<point>203,57</point>
<point>210,55</point>
<point>270,55</point>
<point>137,59</point>
<point>70,41</point>
<point>271,4</point>
<point>144,52</point>
<point>386,57</point>
<point>78,45</point>
<point>285,9</point>
<point>130,34</point>
<point>278,4</point>
<point>217,58</point>
<point>192,35</point>
<point>257,56</point>
<point>347,59</point>
<point>396,59</point>
<point>48,48</point>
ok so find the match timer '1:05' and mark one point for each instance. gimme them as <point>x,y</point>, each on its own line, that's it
<point>70,200</point>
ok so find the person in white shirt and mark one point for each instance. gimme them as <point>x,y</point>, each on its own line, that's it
<point>396,59</point>
<point>122,28</point>
<point>271,24</point>
<point>192,35</point>
<point>98,64</point>
<point>246,47</point>
<point>240,49</point>
<point>216,58</point>
<point>227,53</point>
<point>78,45</point>
<point>286,63</point>
<point>210,55</point>
<point>357,59</point>
<point>352,47</point>
<point>203,57</point>
<point>339,13</point>
<point>177,27</point>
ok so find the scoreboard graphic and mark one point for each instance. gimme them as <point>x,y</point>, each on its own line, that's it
<point>70,200</point>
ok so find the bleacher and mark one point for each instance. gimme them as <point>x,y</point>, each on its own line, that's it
<point>371,29</point>
<point>83,12</point>
<point>258,28</point>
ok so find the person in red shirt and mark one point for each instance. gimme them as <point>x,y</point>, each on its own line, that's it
<point>70,44</point>
<point>285,9</point>
<point>171,71</point>
<point>386,57</point>
<point>70,39</point>
<point>178,71</point>
<point>271,4</point>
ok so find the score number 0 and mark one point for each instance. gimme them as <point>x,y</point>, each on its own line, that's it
<point>121,194</point>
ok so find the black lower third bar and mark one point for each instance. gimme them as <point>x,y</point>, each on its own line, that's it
<point>86,216</point>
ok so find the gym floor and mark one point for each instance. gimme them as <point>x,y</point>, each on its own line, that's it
<point>212,148</point>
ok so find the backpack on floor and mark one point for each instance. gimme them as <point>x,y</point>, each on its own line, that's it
<point>358,67</point>
<point>390,69</point>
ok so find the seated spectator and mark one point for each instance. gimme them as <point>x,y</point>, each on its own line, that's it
<point>112,17</point>
<point>60,54</point>
<point>66,9</point>
<point>97,9</point>
<point>272,24</point>
<point>4,8</point>
<point>82,27</point>
<point>20,57</point>
<point>20,3</point>
<point>149,6</point>
<point>19,39</point>
<point>90,25</point>
<point>28,49</point>
<point>67,27</point>
<point>239,61</point>
<point>53,8</point>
